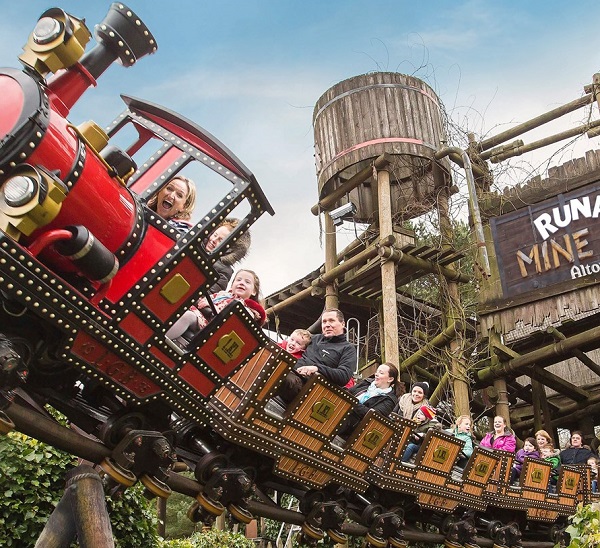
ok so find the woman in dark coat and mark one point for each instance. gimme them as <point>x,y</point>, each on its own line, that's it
<point>377,393</point>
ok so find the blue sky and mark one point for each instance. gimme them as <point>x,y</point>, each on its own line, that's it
<point>250,72</point>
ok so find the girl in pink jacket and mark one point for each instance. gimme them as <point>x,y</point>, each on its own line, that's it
<point>501,437</point>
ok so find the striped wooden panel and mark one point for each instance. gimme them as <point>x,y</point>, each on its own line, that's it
<point>361,445</point>
<point>533,495</point>
<point>302,471</point>
<point>355,464</point>
<point>535,474</point>
<point>331,456</point>
<point>472,489</point>
<point>316,395</point>
<point>438,453</point>
<point>249,412</point>
<point>567,501</point>
<point>404,471</point>
<point>483,469</point>
<point>273,378</point>
<point>506,460</point>
<point>429,477</point>
<point>227,398</point>
<point>454,485</point>
<point>568,482</point>
<point>248,373</point>
<point>265,425</point>
<point>394,454</point>
<point>305,440</point>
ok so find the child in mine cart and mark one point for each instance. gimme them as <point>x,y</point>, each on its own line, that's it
<point>244,288</point>
<point>425,419</point>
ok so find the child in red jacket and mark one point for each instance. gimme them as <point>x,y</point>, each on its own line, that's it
<point>297,342</point>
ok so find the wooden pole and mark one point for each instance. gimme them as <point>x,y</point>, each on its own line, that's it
<point>331,296</point>
<point>161,514</point>
<point>59,531</point>
<point>500,386</point>
<point>81,512</point>
<point>388,272</point>
<point>89,508</point>
<point>537,393</point>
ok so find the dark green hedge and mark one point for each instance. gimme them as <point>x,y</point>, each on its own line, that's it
<point>32,477</point>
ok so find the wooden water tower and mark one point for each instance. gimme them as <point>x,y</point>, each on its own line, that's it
<point>376,136</point>
<point>361,118</point>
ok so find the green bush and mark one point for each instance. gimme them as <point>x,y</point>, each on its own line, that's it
<point>32,481</point>
<point>210,539</point>
<point>584,529</point>
<point>133,519</point>
<point>178,525</point>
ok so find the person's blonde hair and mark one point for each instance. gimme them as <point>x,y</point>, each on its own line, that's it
<point>462,418</point>
<point>545,434</point>
<point>304,334</point>
<point>190,200</point>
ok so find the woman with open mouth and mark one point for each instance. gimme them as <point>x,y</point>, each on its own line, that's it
<point>175,202</point>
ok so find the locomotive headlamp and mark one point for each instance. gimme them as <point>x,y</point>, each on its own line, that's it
<point>57,42</point>
<point>46,30</point>
<point>30,197</point>
<point>19,190</point>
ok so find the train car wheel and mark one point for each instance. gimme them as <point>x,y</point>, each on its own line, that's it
<point>240,513</point>
<point>337,536</point>
<point>312,532</point>
<point>207,465</point>
<point>6,425</point>
<point>156,487</point>
<point>116,426</point>
<point>211,506</point>
<point>375,542</point>
<point>117,472</point>
<point>193,512</point>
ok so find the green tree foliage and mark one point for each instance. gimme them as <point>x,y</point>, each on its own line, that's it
<point>32,481</point>
<point>428,287</point>
<point>584,529</point>
<point>133,519</point>
<point>210,539</point>
<point>178,525</point>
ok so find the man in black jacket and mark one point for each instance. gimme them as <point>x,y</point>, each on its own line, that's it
<point>328,354</point>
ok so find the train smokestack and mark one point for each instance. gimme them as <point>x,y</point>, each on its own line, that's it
<point>121,37</point>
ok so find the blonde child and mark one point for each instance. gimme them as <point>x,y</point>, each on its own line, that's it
<point>297,342</point>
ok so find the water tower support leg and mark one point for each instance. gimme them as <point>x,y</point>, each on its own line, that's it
<point>331,295</point>
<point>388,272</point>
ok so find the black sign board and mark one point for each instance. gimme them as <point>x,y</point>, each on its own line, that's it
<point>551,242</point>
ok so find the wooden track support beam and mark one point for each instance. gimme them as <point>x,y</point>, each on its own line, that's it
<point>541,357</point>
